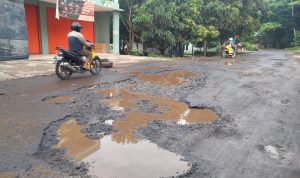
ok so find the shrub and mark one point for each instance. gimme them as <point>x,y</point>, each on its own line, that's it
<point>135,52</point>
<point>250,47</point>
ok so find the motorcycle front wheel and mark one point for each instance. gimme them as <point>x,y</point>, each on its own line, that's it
<point>95,66</point>
<point>62,72</point>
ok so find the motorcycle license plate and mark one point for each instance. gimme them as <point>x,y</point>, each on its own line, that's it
<point>57,58</point>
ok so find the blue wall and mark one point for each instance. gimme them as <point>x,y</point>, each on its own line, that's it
<point>13,33</point>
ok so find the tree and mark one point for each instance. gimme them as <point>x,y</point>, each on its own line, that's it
<point>284,14</point>
<point>157,20</point>
<point>130,12</point>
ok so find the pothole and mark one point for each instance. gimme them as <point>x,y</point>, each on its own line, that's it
<point>166,78</point>
<point>79,146</point>
<point>8,174</point>
<point>112,159</point>
<point>59,99</point>
<point>141,110</point>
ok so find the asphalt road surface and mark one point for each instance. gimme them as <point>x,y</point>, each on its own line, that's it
<point>256,99</point>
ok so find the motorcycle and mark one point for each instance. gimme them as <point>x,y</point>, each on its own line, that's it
<point>228,51</point>
<point>68,62</point>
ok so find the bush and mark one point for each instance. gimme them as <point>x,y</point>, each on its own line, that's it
<point>135,52</point>
<point>250,47</point>
<point>153,55</point>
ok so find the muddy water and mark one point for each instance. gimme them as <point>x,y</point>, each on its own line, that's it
<point>60,100</point>
<point>144,159</point>
<point>8,175</point>
<point>122,154</point>
<point>79,146</point>
<point>143,109</point>
<point>166,78</point>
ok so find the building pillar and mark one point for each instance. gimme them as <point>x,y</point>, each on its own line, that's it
<point>116,32</point>
<point>102,28</point>
<point>43,27</point>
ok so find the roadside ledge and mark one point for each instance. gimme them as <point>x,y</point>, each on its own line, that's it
<point>38,65</point>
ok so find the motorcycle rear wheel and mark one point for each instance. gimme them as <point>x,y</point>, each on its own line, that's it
<point>62,72</point>
<point>95,66</point>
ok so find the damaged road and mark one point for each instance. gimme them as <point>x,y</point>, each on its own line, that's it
<point>187,118</point>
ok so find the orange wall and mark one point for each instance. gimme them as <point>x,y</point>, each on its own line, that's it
<point>31,14</point>
<point>58,30</point>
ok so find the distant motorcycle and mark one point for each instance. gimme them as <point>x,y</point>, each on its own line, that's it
<point>228,51</point>
<point>68,62</point>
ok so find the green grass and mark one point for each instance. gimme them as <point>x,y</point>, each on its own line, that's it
<point>294,49</point>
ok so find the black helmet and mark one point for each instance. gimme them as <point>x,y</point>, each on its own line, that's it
<point>76,26</point>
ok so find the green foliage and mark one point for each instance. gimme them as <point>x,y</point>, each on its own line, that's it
<point>250,47</point>
<point>283,16</point>
<point>296,41</point>
<point>135,52</point>
<point>269,26</point>
<point>154,55</point>
<point>294,49</point>
<point>167,23</point>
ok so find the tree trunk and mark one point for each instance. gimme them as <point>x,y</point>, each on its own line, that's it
<point>205,48</point>
<point>192,49</point>
<point>131,38</point>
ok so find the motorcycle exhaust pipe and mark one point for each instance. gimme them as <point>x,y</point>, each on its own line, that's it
<point>68,66</point>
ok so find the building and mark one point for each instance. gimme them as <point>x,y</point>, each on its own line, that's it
<point>29,27</point>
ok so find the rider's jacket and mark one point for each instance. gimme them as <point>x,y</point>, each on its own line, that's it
<point>76,41</point>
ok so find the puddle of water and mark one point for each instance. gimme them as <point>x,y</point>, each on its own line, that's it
<point>228,63</point>
<point>60,100</point>
<point>272,151</point>
<point>122,154</point>
<point>8,175</point>
<point>79,146</point>
<point>144,159</point>
<point>166,78</point>
<point>160,109</point>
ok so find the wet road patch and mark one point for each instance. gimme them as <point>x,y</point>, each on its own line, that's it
<point>58,99</point>
<point>166,77</point>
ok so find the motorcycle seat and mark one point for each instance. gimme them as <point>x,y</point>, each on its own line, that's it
<point>72,55</point>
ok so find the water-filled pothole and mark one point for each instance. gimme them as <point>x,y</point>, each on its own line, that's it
<point>122,154</point>
<point>166,78</point>
<point>8,174</point>
<point>143,109</point>
<point>111,159</point>
<point>79,145</point>
<point>59,99</point>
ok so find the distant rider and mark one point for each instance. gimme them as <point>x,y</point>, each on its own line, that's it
<point>77,41</point>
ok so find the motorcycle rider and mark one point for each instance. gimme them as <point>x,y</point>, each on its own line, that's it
<point>232,44</point>
<point>77,41</point>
